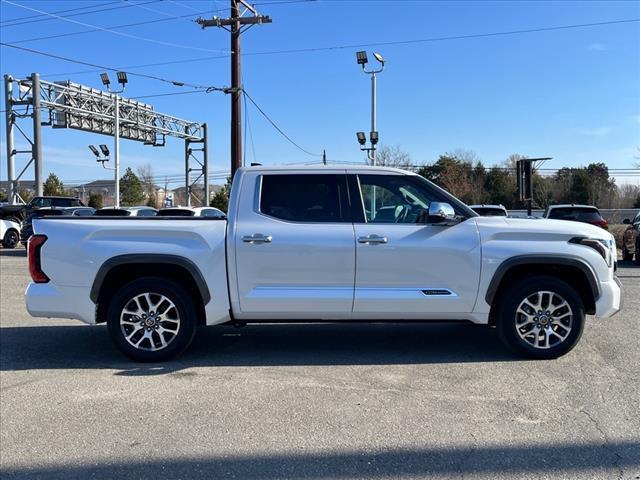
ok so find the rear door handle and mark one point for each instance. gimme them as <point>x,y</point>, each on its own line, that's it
<point>373,239</point>
<point>257,238</point>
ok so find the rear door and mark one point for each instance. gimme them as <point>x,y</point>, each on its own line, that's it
<point>406,268</point>
<point>295,248</point>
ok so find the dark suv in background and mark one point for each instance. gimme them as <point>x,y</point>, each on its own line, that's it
<point>18,213</point>
<point>577,213</point>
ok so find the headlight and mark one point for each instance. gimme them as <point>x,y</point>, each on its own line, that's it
<point>606,248</point>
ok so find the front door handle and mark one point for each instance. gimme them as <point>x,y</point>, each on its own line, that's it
<point>257,238</point>
<point>375,239</point>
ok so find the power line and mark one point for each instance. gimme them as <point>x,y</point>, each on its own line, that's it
<point>111,69</point>
<point>113,27</point>
<point>199,90</point>
<point>278,128</point>
<point>115,32</point>
<point>11,24</point>
<point>362,45</point>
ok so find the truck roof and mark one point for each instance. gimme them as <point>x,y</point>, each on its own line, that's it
<point>326,168</point>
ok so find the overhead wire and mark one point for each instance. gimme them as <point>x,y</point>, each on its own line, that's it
<point>27,21</point>
<point>278,128</point>
<point>177,83</point>
<point>375,44</point>
<point>115,32</point>
<point>112,27</point>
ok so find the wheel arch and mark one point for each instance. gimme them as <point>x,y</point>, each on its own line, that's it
<point>121,269</point>
<point>575,272</point>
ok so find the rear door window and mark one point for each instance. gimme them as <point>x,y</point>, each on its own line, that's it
<point>309,198</point>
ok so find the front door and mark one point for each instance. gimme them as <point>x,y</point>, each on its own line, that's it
<point>406,268</point>
<point>295,248</point>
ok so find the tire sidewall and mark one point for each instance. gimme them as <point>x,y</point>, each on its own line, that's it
<point>11,239</point>
<point>506,316</point>
<point>173,291</point>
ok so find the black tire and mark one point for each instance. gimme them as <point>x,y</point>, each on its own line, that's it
<point>510,328</point>
<point>626,256</point>
<point>183,309</point>
<point>11,238</point>
<point>638,252</point>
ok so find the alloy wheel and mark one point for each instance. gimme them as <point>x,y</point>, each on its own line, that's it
<point>544,319</point>
<point>149,321</point>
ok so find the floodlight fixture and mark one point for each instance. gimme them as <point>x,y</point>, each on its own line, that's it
<point>361,57</point>
<point>379,57</point>
<point>373,136</point>
<point>94,150</point>
<point>105,150</point>
<point>105,79</point>
<point>122,78</point>
<point>362,139</point>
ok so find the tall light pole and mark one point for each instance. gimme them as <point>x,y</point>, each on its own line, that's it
<point>122,80</point>
<point>362,60</point>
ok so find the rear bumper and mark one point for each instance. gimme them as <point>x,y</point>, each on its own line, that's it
<point>51,301</point>
<point>611,298</point>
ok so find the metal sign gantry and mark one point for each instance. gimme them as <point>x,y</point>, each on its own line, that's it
<point>71,105</point>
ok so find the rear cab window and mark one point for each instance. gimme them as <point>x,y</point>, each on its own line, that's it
<point>305,198</point>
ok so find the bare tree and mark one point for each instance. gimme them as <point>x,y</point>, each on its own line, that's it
<point>145,174</point>
<point>392,157</point>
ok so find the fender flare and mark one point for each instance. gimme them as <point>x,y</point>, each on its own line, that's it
<point>149,258</point>
<point>519,260</point>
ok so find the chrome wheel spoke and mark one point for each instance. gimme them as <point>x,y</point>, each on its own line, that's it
<point>146,328</point>
<point>543,319</point>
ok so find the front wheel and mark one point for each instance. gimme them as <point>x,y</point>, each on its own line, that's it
<point>11,238</point>
<point>151,319</point>
<point>540,317</point>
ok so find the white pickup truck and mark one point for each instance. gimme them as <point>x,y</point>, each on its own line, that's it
<point>324,244</point>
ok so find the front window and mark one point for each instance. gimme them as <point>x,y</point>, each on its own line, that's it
<point>394,198</point>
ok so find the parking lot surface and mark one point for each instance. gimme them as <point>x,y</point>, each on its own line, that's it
<point>316,401</point>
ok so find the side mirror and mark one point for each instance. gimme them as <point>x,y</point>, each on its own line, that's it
<point>626,221</point>
<point>440,212</point>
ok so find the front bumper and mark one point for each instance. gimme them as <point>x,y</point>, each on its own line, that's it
<point>611,298</point>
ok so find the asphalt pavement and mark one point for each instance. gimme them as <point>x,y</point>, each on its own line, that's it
<point>332,401</point>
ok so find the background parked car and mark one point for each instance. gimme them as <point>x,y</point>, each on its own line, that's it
<point>191,212</point>
<point>127,212</point>
<point>26,229</point>
<point>577,213</point>
<point>9,233</point>
<point>631,239</point>
<point>490,210</point>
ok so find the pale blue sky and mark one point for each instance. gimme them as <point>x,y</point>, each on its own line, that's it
<point>573,94</point>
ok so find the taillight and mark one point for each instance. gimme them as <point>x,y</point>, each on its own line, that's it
<point>33,251</point>
<point>601,223</point>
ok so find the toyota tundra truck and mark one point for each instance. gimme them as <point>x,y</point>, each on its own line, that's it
<point>324,244</point>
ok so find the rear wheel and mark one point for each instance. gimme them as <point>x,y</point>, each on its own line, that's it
<point>152,319</point>
<point>11,238</point>
<point>540,317</point>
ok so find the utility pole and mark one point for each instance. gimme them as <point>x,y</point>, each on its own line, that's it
<point>122,80</point>
<point>362,59</point>
<point>525,168</point>
<point>234,25</point>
